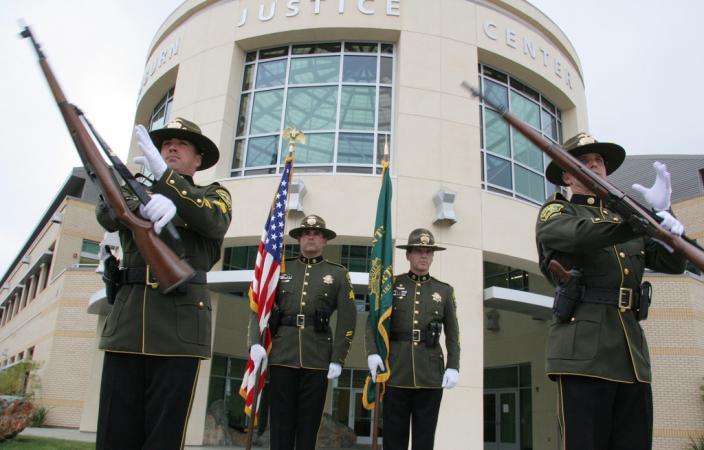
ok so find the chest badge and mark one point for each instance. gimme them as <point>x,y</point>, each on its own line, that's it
<point>285,277</point>
<point>436,297</point>
<point>400,291</point>
<point>327,279</point>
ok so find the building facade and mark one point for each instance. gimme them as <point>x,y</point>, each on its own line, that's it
<point>358,76</point>
<point>44,299</point>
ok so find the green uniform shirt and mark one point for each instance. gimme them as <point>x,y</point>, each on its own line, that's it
<point>600,341</point>
<point>144,321</point>
<point>309,285</point>
<point>418,300</point>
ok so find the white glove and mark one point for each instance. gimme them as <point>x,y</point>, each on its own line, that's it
<point>160,210</point>
<point>658,196</point>
<point>670,223</point>
<point>334,371</point>
<point>374,362</point>
<point>152,159</point>
<point>258,354</point>
<point>449,380</point>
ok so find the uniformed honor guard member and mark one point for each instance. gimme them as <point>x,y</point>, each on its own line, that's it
<point>154,342</point>
<point>596,349</point>
<point>305,352</point>
<point>423,307</point>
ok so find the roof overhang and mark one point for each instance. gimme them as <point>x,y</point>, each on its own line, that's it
<point>528,303</point>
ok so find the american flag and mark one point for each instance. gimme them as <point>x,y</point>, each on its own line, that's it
<point>266,278</point>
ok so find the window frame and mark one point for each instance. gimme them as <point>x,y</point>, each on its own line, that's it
<point>244,111</point>
<point>516,87</point>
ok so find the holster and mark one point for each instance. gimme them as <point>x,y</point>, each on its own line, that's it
<point>646,294</point>
<point>321,322</point>
<point>432,335</point>
<point>274,319</point>
<point>567,294</point>
<point>111,277</point>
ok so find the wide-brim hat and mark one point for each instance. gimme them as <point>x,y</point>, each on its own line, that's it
<point>582,144</point>
<point>181,128</point>
<point>421,238</point>
<point>312,222</point>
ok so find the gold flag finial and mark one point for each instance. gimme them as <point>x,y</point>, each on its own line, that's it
<point>293,135</point>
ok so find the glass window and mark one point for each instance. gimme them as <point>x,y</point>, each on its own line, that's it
<point>512,164</point>
<point>89,252</point>
<point>339,94</point>
<point>355,148</point>
<point>359,69</point>
<point>262,151</point>
<point>311,108</point>
<point>525,109</point>
<point>162,111</point>
<point>266,111</point>
<point>384,109</point>
<point>239,258</point>
<point>271,74</point>
<point>356,258</point>
<point>357,108</point>
<point>498,171</point>
<point>324,69</point>
<point>318,149</point>
<point>247,78</point>
<point>496,131</point>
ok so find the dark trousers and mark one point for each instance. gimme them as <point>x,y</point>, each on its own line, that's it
<point>596,414</point>
<point>296,401</point>
<point>145,401</point>
<point>415,408</point>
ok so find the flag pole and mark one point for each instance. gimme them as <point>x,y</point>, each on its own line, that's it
<point>377,400</point>
<point>292,135</point>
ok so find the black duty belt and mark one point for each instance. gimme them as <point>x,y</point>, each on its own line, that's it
<point>141,275</point>
<point>623,298</point>
<point>297,320</point>
<point>415,335</point>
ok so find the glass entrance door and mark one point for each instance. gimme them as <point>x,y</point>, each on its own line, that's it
<point>501,419</point>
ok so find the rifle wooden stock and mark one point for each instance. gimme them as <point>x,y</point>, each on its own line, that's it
<point>169,270</point>
<point>616,198</point>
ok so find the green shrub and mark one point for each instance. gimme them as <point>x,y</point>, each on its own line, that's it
<point>39,417</point>
<point>19,380</point>
<point>696,444</point>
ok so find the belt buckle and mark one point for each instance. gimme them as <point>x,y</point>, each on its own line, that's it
<point>148,282</point>
<point>416,335</point>
<point>301,320</point>
<point>625,299</point>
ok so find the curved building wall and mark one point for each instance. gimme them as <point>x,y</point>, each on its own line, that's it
<point>436,135</point>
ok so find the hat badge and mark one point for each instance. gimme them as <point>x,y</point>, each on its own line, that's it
<point>425,239</point>
<point>586,139</point>
<point>175,124</point>
<point>311,221</point>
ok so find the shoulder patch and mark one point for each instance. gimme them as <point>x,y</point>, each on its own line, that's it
<point>551,210</point>
<point>225,196</point>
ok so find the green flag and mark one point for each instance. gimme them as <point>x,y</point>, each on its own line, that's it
<point>380,287</point>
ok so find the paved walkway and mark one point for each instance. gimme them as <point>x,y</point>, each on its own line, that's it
<point>72,434</point>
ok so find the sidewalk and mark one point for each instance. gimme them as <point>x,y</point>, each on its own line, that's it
<point>71,434</point>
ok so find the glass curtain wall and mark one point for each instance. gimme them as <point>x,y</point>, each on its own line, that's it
<point>338,93</point>
<point>512,165</point>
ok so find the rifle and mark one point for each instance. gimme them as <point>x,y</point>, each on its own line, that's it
<point>169,268</point>
<point>639,217</point>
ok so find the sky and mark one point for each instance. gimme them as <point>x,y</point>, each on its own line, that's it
<point>642,62</point>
